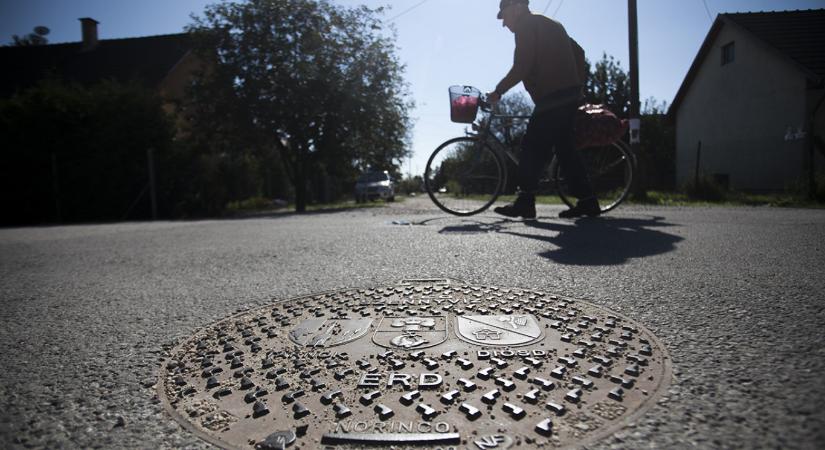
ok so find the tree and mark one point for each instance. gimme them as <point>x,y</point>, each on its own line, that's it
<point>658,144</point>
<point>608,84</point>
<point>410,185</point>
<point>316,84</point>
<point>513,105</point>
<point>37,37</point>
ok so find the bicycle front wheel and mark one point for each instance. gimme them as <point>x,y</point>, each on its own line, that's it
<point>464,176</point>
<point>610,169</point>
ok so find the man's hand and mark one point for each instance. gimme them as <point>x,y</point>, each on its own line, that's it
<point>493,97</point>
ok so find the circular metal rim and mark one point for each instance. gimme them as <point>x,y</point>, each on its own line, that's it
<point>502,175</point>
<point>644,407</point>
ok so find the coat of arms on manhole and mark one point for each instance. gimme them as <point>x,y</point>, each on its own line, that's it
<point>505,330</point>
<point>423,363</point>
<point>328,332</point>
<point>411,332</point>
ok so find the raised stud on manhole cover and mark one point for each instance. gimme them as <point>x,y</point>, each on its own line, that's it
<point>422,363</point>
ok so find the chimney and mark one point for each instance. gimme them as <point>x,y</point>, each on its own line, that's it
<point>89,28</point>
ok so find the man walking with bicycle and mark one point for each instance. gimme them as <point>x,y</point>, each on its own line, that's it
<point>545,61</point>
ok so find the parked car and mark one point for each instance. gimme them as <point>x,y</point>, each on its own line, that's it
<point>374,185</point>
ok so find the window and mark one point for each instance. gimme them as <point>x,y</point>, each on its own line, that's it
<point>728,53</point>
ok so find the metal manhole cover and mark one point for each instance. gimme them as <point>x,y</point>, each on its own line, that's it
<point>427,363</point>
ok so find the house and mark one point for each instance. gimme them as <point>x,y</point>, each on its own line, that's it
<point>163,62</point>
<point>43,182</point>
<point>750,109</point>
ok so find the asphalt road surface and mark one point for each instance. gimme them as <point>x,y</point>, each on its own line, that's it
<point>737,295</point>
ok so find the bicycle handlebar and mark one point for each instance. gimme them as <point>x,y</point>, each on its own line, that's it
<point>484,105</point>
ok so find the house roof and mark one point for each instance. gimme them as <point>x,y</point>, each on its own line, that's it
<point>146,60</point>
<point>798,36</point>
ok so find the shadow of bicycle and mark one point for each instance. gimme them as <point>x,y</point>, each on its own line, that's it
<point>473,226</point>
<point>601,241</point>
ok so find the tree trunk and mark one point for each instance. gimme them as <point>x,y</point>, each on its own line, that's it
<point>300,183</point>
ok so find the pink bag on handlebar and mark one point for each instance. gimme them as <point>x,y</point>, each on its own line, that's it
<point>596,126</point>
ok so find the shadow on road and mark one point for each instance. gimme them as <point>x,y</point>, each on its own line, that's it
<point>600,241</point>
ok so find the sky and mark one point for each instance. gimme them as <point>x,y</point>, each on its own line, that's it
<point>442,42</point>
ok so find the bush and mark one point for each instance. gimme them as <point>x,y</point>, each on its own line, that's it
<point>410,185</point>
<point>251,204</point>
<point>453,188</point>
<point>705,188</point>
<point>819,194</point>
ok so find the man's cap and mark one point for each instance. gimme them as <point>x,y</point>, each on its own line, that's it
<point>506,3</point>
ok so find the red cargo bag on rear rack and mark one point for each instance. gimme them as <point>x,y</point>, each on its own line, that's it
<point>596,126</point>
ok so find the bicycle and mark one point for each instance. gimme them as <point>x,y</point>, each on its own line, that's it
<point>465,175</point>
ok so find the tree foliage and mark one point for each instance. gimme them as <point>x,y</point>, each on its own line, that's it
<point>73,153</point>
<point>608,84</point>
<point>36,37</point>
<point>658,145</point>
<point>316,85</point>
<point>512,130</point>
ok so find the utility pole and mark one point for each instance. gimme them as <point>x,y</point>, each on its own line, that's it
<point>635,117</point>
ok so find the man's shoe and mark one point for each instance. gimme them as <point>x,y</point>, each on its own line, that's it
<point>524,207</point>
<point>589,207</point>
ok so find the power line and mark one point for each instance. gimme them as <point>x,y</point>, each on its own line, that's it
<point>705,2</point>
<point>550,2</point>
<point>558,8</point>
<point>408,10</point>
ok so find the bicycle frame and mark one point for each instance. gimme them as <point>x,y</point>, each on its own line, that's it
<point>484,134</point>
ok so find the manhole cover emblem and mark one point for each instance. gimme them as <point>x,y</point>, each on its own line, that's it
<point>424,363</point>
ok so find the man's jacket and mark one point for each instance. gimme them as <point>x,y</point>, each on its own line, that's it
<point>545,62</point>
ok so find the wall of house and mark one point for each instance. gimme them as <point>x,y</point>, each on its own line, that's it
<point>173,88</point>
<point>747,114</point>
<point>174,85</point>
<point>816,97</point>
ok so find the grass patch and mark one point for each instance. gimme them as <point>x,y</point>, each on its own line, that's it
<point>252,204</point>
<point>259,205</point>
<point>706,188</point>
<point>348,204</point>
<point>667,198</point>
<point>731,198</point>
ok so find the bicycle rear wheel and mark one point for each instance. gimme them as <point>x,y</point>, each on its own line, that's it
<point>610,169</point>
<point>464,176</point>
